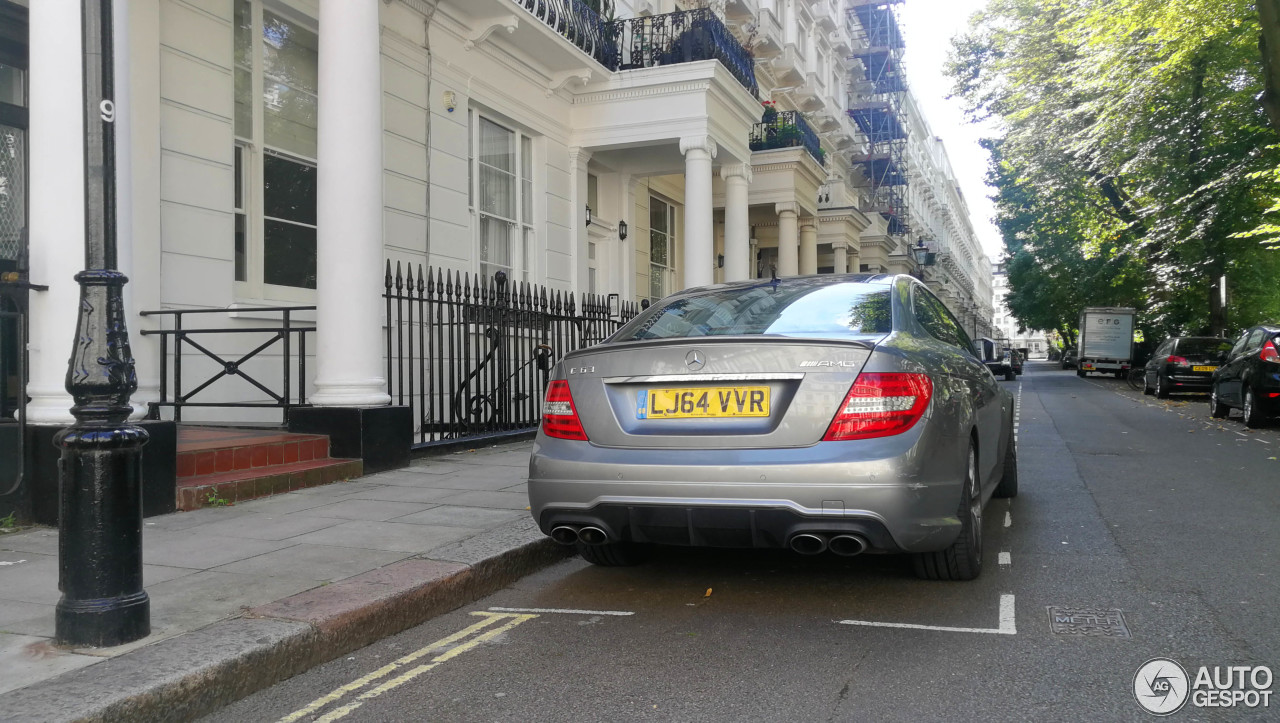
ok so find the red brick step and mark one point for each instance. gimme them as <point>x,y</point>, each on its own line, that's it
<point>224,466</point>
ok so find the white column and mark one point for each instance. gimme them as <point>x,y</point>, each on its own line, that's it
<point>141,240</point>
<point>578,159</point>
<point>788,240</point>
<point>737,224</point>
<point>56,197</point>
<point>808,245</point>
<point>842,258</point>
<point>349,257</point>
<point>699,244</point>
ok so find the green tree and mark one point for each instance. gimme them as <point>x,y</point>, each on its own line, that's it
<point>1135,154</point>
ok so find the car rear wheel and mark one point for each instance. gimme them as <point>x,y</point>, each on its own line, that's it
<point>1080,373</point>
<point>1008,486</point>
<point>1217,409</point>
<point>1146,388</point>
<point>1253,418</point>
<point>963,559</point>
<point>612,554</point>
<point>1162,391</point>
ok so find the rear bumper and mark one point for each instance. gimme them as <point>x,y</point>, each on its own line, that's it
<point>898,497</point>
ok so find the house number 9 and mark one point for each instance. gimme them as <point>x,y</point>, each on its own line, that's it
<point>108,110</point>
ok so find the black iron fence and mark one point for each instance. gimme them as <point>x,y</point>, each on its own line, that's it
<point>289,338</point>
<point>471,355</point>
<point>786,129</point>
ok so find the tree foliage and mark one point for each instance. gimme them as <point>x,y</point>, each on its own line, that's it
<point>1136,157</point>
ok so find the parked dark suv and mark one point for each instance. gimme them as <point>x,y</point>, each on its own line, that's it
<point>1249,377</point>
<point>1183,364</point>
<point>1069,359</point>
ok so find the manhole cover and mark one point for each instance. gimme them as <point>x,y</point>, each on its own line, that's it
<point>1088,622</point>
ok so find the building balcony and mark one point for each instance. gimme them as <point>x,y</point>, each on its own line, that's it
<point>812,93</point>
<point>578,24</point>
<point>680,37</point>
<point>786,129</point>
<point>788,66</point>
<point>826,14</point>
<point>769,38</point>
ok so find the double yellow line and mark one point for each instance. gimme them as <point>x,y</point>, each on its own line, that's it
<point>452,646</point>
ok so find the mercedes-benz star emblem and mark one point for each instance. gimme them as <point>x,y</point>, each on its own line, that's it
<point>694,360</point>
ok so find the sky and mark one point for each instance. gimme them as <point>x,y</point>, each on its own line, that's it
<point>928,26</point>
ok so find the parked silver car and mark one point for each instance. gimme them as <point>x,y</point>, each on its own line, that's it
<point>844,413</point>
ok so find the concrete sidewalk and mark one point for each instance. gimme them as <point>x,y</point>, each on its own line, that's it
<point>246,595</point>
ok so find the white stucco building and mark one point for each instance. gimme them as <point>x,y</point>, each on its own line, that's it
<point>1007,326</point>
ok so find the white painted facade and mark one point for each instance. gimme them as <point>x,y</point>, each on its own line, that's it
<point>398,119</point>
<point>1007,326</point>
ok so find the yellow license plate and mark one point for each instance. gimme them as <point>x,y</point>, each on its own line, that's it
<point>1203,369</point>
<point>702,403</point>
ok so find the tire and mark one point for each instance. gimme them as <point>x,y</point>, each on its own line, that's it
<point>1008,487</point>
<point>612,554</point>
<point>1253,417</point>
<point>1217,409</point>
<point>1120,374</point>
<point>963,559</point>
<point>1080,373</point>
<point>1009,376</point>
<point>1162,392</point>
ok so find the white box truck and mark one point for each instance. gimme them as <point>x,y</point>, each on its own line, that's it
<point>1106,341</point>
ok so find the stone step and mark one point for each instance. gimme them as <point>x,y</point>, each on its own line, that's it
<point>225,488</point>
<point>218,465</point>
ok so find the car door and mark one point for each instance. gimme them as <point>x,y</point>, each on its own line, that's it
<point>1229,388</point>
<point>1152,370</point>
<point>969,377</point>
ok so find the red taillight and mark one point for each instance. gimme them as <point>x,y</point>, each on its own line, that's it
<point>1177,360</point>
<point>559,416</point>
<point>881,405</point>
<point>1269,352</point>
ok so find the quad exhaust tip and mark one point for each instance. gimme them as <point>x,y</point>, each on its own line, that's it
<point>808,544</point>
<point>564,534</point>
<point>592,536</point>
<point>848,545</point>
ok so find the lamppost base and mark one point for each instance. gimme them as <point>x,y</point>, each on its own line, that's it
<point>105,622</point>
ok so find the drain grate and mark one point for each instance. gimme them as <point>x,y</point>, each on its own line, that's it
<point>1088,622</point>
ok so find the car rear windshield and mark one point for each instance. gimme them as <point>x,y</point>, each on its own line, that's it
<point>795,309</point>
<point>1202,347</point>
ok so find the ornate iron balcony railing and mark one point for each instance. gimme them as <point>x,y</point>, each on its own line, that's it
<point>579,24</point>
<point>681,37</point>
<point>786,129</point>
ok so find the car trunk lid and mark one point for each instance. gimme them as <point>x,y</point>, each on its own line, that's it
<point>727,393</point>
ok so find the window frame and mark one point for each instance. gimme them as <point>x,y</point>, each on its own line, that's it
<point>523,224</point>
<point>254,289</point>
<point>669,269</point>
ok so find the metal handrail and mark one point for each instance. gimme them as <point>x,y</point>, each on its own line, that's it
<point>282,334</point>
<point>786,129</point>
<point>681,37</point>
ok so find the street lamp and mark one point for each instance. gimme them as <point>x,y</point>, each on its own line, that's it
<point>622,230</point>
<point>920,253</point>
<point>100,473</point>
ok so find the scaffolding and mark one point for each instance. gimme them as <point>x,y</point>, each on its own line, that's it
<point>877,109</point>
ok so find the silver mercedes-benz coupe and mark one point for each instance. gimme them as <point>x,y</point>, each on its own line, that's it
<point>844,413</point>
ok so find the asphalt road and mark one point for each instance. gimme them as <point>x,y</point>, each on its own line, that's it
<point>1127,504</point>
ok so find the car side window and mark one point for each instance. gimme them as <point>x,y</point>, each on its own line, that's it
<point>1255,340</point>
<point>933,318</point>
<point>1240,344</point>
<point>953,326</point>
<point>1165,349</point>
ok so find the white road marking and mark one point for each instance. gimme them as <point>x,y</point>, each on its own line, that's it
<point>1005,558</point>
<point>15,562</point>
<point>1007,622</point>
<point>560,610</point>
<point>1008,519</point>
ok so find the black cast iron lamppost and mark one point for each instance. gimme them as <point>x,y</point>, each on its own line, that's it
<point>100,473</point>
